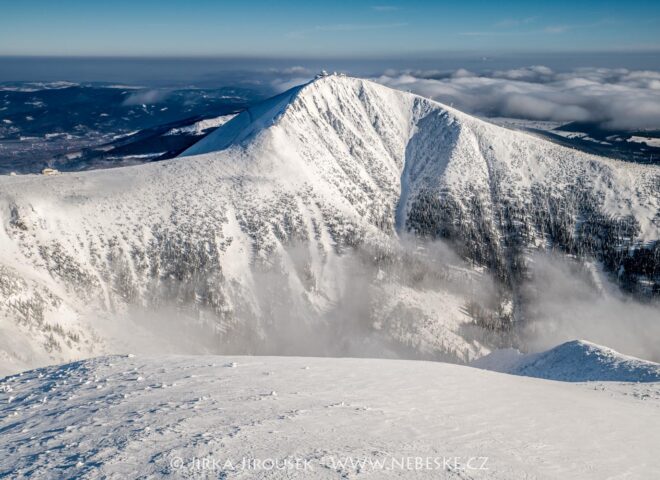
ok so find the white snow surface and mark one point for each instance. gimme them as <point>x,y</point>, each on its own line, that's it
<point>200,127</point>
<point>575,361</point>
<point>203,416</point>
<point>245,243</point>
<point>650,141</point>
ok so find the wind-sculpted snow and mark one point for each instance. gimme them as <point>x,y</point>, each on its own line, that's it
<point>309,225</point>
<point>285,417</point>
<point>576,361</point>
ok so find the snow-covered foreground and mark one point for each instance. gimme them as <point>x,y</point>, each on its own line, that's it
<point>293,417</point>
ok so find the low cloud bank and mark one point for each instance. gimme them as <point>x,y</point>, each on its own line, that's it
<point>568,300</point>
<point>616,99</point>
<point>146,97</point>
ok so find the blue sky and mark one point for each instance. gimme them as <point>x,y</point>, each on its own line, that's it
<point>312,28</point>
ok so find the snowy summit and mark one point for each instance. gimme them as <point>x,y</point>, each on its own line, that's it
<point>255,233</point>
<point>341,219</point>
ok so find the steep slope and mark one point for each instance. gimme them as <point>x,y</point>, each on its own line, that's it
<point>201,416</point>
<point>576,361</point>
<point>450,175</point>
<point>284,231</point>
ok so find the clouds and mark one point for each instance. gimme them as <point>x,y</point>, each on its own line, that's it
<point>611,98</point>
<point>146,97</point>
<point>569,300</point>
<point>536,73</point>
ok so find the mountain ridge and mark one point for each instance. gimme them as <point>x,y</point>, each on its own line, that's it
<point>256,240</point>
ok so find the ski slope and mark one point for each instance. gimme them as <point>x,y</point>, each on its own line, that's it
<point>203,416</point>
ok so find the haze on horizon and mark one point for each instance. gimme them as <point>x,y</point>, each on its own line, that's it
<point>295,28</point>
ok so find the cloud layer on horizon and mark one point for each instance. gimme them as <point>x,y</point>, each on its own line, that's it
<point>612,98</point>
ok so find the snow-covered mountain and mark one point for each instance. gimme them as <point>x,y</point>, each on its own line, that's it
<point>233,417</point>
<point>576,361</point>
<point>286,230</point>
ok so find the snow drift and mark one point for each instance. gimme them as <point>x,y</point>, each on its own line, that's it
<point>576,361</point>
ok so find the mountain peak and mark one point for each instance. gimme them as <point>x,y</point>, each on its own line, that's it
<point>265,114</point>
<point>331,167</point>
<point>325,95</point>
